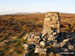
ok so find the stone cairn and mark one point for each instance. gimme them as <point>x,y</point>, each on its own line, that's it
<point>51,27</point>
<point>47,39</point>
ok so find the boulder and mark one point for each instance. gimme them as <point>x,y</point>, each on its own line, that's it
<point>62,44</point>
<point>42,43</point>
<point>65,40</point>
<point>40,51</point>
<point>70,47</point>
<point>51,38</point>
<point>65,49</point>
<point>36,37</point>
<point>36,50</point>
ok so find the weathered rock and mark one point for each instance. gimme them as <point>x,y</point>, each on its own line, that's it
<point>54,33</point>
<point>43,51</point>
<point>26,51</point>
<point>36,37</point>
<point>42,43</point>
<point>51,39</point>
<point>71,47</point>
<point>62,44</point>
<point>57,54</point>
<point>40,51</point>
<point>55,45</point>
<point>32,38</point>
<point>65,40</point>
<point>26,46</point>
<point>51,54</point>
<point>65,49</point>
<point>26,36</point>
<point>36,50</point>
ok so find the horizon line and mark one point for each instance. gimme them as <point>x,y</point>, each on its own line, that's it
<point>12,13</point>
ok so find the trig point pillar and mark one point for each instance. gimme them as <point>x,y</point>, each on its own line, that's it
<point>51,24</point>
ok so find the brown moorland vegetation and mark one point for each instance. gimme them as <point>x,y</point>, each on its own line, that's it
<point>14,27</point>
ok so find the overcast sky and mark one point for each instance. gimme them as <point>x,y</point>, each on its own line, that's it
<point>17,6</point>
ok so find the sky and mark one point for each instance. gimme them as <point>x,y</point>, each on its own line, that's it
<point>32,6</point>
